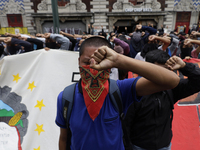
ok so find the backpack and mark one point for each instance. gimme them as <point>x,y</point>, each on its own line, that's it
<point>115,97</point>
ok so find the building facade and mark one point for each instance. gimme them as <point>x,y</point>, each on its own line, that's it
<point>17,13</point>
<point>76,15</point>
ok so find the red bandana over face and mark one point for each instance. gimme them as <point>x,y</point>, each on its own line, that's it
<point>95,87</point>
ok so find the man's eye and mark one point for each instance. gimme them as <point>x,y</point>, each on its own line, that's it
<point>87,63</point>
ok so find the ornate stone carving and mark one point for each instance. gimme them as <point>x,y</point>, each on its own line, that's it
<point>183,4</point>
<point>118,5</point>
<point>80,5</point>
<point>12,8</point>
<point>63,19</point>
<point>195,5</point>
<point>155,4</point>
<point>43,5</point>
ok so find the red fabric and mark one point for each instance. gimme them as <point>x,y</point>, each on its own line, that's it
<point>192,60</point>
<point>95,88</point>
<point>19,142</point>
<point>185,125</point>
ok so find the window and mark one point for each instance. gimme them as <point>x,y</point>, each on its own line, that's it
<point>15,20</point>
<point>63,2</point>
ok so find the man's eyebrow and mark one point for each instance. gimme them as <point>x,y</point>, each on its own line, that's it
<point>86,59</point>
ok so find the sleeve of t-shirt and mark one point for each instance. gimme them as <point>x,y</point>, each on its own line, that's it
<point>128,91</point>
<point>60,120</point>
<point>160,47</point>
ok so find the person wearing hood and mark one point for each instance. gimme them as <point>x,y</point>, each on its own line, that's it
<point>138,38</point>
<point>124,45</point>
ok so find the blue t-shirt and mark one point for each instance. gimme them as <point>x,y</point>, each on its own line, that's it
<point>105,132</point>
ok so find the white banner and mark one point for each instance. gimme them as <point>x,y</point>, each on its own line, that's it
<point>29,86</point>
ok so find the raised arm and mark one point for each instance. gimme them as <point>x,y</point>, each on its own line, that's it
<point>165,40</point>
<point>154,78</point>
<point>123,44</point>
<point>66,34</point>
<point>190,41</point>
<point>195,33</point>
<point>187,86</point>
<point>13,35</point>
<point>2,39</point>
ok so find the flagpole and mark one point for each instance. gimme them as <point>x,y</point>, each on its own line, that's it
<point>55,16</point>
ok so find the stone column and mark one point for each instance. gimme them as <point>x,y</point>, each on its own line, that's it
<point>27,17</point>
<point>4,21</point>
<point>100,18</point>
<point>112,21</point>
<point>194,17</point>
<point>160,21</point>
<point>38,25</point>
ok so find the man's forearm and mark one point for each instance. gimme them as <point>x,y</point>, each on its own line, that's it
<point>164,40</point>
<point>62,144</point>
<point>13,35</point>
<point>67,34</point>
<point>198,34</point>
<point>195,42</point>
<point>63,139</point>
<point>154,73</point>
<point>2,39</point>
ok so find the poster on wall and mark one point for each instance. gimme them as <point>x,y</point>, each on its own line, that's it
<point>17,31</point>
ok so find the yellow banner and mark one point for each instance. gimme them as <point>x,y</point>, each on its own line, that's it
<point>16,30</point>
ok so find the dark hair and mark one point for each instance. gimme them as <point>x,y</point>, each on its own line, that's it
<point>158,56</point>
<point>147,48</point>
<point>93,41</point>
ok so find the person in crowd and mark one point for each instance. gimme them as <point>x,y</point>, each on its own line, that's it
<point>186,49</point>
<point>139,38</point>
<point>102,33</point>
<point>60,39</point>
<point>98,129</point>
<point>90,29</point>
<point>36,44</point>
<point>73,40</point>
<point>152,45</point>
<point>15,46</point>
<point>122,48</point>
<point>150,120</point>
<point>124,45</point>
<point>195,52</point>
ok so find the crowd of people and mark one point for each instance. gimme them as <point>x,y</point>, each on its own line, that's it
<point>148,100</point>
<point>135,44</point>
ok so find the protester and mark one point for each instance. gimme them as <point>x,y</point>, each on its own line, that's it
<point>195,52</point>
<point>138,44</point>
<point>150,120</point>
<point>15,45</point>
<point>103,130</point>
<point>139,38</point>
<point>60,39</point>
